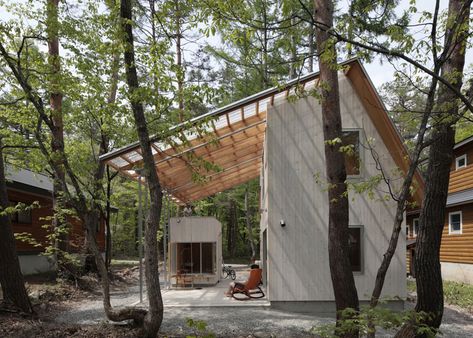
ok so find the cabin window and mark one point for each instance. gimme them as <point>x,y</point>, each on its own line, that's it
<point>460,162</point>
<point>415,226</point>
<point>351,150</point>
<point>21,216</point>
<point>355,247</point>
<point>196,258</point>
<point>455,222</point>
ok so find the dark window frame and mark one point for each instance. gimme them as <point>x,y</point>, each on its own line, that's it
<point>450,230</point>
<point>358,149</point>
<point>15,217</point>
<point>361,249</point>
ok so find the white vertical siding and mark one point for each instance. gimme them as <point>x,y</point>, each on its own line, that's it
<point>297,254</point>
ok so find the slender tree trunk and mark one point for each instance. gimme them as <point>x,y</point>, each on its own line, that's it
<point>154,316</point>
<point>311,41</point>
<point>340,268</point>
<point>11,278</point>
<point>111,99</point>
<point>401,204</point>
<point>180,69</point>
<point>293,67</point>
<point>432,217</point>
<point>57,132</point>
<point>264,57</point>
<point>108,211</point>
<point>91,220</point>
<point>249,225</point>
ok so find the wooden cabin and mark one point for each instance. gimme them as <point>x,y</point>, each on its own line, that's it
<point>27,187</point>
<point>456,250</point>
<point>195,247</point>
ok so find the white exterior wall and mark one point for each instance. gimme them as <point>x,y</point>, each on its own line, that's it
<point>457,272</point>
<point>33,264</point>
<point>297,264</point>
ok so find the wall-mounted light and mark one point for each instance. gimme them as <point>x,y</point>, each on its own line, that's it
<point>282,223</point>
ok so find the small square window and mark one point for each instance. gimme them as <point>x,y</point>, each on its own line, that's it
<point>455,222</point>
<point>460,162</point>
<point>22,216</point>
<point>415,227</point>
<point>351,138</point>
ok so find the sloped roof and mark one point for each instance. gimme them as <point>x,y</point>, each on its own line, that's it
<point>232,137</point>
<point>29,178</point>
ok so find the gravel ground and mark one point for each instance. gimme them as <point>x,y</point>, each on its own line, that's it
<point>236,321</point>
<point>223,321</point>
<point>240,322</point>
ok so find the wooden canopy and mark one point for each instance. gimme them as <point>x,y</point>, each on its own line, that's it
<point>224,148</point>
<point>212,152</point>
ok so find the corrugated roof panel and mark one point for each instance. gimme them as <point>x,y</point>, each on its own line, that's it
<point>134,156</point>
<point>250,110</point>
<point>119,162</point>
<point>234,116</point>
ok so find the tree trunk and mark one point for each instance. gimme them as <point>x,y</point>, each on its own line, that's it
<point>249,225</point>
<point>57,132</point>
<point>340,268</point>
<point>11,278</point>
<point>180,69</point>
<point>154,317</point>
<point>432,216</point>
<point>111,99</point>
<point>108,242</point>
<point>91,220</point>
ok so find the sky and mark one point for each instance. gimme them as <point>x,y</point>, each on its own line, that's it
<point>379,72</point>
<point>384,72</point>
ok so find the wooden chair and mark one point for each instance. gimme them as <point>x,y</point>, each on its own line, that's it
<point>250,289</point>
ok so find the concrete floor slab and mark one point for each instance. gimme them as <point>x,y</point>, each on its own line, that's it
<point>212,296</point>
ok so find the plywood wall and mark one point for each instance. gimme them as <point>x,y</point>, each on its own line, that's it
<point>297,253</point>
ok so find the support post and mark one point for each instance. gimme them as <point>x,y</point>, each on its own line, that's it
<point>140,236</point>
<point>165,241</point>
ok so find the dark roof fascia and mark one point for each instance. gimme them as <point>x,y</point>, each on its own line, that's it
<point>26,188</point>
<point>463,142</point>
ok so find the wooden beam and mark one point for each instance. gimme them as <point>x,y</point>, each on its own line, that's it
<point>225,171</point>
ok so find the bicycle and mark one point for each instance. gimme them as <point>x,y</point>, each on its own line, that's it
<point>228,271</point>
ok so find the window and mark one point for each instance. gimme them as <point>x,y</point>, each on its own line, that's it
<point>455,222</point>
<point>351,150</point>
<point>22,216</point>
<point>196,257</point>
<point>355,247</point>
<point>415,226</point>
<point>460,162</point>
<point>407,231</point>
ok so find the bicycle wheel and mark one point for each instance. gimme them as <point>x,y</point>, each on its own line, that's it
<point>233,274</point>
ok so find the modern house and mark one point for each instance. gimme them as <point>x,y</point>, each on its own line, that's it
<point>27,187</point>
<point>456,250</point>
<point>277,135</point>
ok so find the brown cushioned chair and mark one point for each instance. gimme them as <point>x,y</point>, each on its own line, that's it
<point>250,289</point>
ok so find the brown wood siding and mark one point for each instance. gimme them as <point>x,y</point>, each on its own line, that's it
<point>455,248</point>
<point>458,247</point>
<point>37,219</point>
<point>35,228</point>
<point>461,179</point>
<point>465,149</point>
